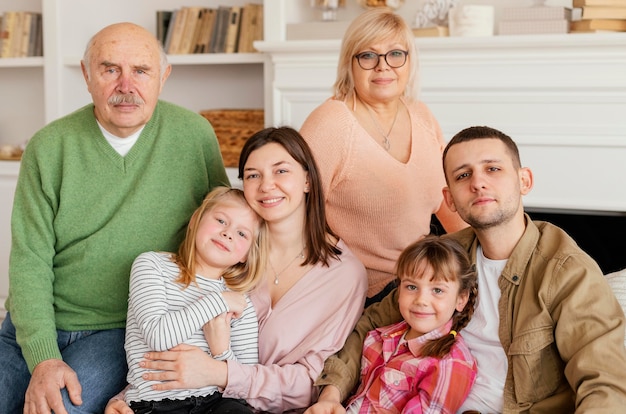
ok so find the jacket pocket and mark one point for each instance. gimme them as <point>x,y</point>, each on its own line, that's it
<point>536,364</point>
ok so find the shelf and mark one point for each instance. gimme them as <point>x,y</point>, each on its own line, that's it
<point>25,62</point>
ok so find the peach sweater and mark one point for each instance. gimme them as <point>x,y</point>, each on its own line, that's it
<point>377,204</point>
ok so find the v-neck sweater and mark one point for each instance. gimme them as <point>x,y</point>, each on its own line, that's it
<point>82,213</point>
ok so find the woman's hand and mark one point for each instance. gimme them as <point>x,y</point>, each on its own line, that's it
<point>184,367</point>
<point>217,333</point>
<point>115,406</point>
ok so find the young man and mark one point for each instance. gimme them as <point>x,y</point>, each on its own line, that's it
<point>97,187</point>
<point>548,332</point>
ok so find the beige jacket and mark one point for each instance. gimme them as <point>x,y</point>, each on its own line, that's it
<point>560,325</point>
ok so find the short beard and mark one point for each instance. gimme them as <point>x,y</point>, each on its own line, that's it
<point>127,98</point>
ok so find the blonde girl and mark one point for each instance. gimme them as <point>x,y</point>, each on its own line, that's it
<point>197,297</point>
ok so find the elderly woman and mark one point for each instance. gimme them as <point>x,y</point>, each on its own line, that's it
<point>379,148</point>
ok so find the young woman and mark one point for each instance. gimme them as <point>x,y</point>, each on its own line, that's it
<point>173,296</point>
<point>311,296</point>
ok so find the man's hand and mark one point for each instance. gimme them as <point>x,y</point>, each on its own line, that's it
<point>43,394</point>
<point>329,402</point>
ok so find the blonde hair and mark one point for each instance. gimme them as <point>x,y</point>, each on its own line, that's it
<point>240,277</point>
<point>450,262</point>
<point>368,28</point>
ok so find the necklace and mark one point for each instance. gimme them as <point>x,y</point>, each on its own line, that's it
<point>386,142</point>
<point>276,274</point>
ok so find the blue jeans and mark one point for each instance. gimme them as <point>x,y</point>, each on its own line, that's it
<point>98,358</point>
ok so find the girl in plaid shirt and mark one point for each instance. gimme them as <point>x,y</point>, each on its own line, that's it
<point>422,364</point>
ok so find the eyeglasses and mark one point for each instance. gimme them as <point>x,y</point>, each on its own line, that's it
<point>369,60</point>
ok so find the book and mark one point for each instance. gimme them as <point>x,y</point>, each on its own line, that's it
<point>39,36</point>
<point>584,3</point>
<point>533,27</point>
<point>170,31</point>
<point>35,32</point>
<point>603,12</point>
<point>258,25</point>
<point>21,47</point>
<point>9,22</point>
<point>536,13</point>
<point>177,26</point>
<point>218,37</point>
<point>433,31</point>
<point>599,24</point>
<point>163,18</point>
<point>249,23</point>
<point>232,31</point>
<point>188,37</point>
<point>207,21</point>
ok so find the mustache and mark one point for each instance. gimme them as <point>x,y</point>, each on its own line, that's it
<point>128,98</point>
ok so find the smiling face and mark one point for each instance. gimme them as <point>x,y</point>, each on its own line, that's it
<point>274,183</point>
<point>224,236</point>
<point>426,302</point>
<point>484,185</point>
<point>124,78</point>
<point>383,83</point>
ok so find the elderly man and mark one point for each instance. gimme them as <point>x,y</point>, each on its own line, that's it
<point>97,187</point>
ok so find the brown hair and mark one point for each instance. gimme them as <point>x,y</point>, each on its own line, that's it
<point>240,277</point>
<point>316,229</point>
<point>371,27</point>
<point>484,132</point>
<point>449,262</point>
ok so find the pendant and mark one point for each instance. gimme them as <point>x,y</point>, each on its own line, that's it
<point>275,280</point>
<point>386,144</point>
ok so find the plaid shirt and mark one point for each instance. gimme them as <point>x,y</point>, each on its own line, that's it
<point>396,379</point>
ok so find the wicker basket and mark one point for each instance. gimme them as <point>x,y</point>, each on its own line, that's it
<point>233,127</point>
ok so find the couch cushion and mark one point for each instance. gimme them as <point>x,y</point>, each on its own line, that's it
<point>617,281</point>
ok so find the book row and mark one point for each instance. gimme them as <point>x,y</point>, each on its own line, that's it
<point>225,29</point>
<point>20,34</point>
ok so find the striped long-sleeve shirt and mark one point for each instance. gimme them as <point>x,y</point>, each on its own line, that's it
<point>161,315</point>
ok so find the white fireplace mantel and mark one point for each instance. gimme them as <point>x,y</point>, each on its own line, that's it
<point>561,97</point>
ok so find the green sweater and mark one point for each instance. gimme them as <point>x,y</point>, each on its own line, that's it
<point>82,213</point>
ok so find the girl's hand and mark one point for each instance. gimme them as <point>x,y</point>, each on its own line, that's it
<point>236,302</point>
<point>217,333</point>
<point>115,406</point>
<point>184,367</point>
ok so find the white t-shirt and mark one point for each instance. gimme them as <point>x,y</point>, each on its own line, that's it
<point>481,336</point>
<point>121,145</point>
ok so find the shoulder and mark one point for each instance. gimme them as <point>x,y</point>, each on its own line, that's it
<point>330,110</point>
<point>347,269</point>
<point>168,113</point>
<point>73,124</point>
<point>423,118</point>
<point>553,243</point>
<point>465,237</point>
<point>348,259</point>
<point>153,259</point>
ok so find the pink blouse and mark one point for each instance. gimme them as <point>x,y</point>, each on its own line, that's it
<point>307,325</point>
